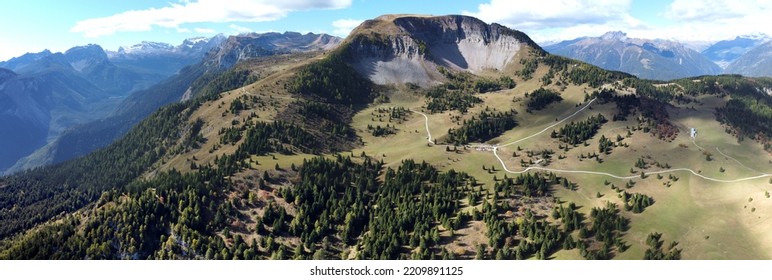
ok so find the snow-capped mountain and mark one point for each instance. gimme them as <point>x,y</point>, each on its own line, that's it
<point>650,59</point>
<point>161,58</point>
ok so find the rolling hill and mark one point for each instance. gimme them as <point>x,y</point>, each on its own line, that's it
<point>417,137</point>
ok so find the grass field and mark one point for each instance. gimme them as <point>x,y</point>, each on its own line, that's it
<point>709,220</point>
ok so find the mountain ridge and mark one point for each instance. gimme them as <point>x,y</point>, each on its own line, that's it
<point>650,59</point>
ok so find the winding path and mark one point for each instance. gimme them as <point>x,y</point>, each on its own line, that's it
<point>426,118</point>
<point>547,128</point>
<point>738,162</point>
<point>504,166</point>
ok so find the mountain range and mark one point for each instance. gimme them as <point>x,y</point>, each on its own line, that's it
<point>725,52</point>
<point>648,59</point>
<point>95,96</point>
<point>416,137</point>
<point>666,60</point>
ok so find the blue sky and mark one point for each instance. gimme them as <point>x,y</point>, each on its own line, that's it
<point>31,26</point>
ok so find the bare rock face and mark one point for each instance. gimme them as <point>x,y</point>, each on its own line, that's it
<point>409,49</point>
<point>244,46</point>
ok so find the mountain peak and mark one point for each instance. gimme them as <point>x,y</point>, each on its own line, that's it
<point>657,59</point>
<point>397,49</point>
<point>614,35</point>
<point>81,57</point>
<point>758,36</point>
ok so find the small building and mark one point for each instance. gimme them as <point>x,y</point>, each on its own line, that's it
<point>693,132</point>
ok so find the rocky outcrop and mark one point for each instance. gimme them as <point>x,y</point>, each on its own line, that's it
<point>396,49</point>
<point>244,46</point>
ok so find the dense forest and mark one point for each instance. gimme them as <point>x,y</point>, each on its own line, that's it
<point>576,133</point>
<point>541,98</point>
<point>457,92</point>
<point>36,196</point>
<point>483,127</point>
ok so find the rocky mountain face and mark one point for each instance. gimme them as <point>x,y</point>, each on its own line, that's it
<point>648,59</point>
<point>408,49</point>
<point>725,52</point>
<point>757,62</point>
<point>161,58</point>
<point>244,46</point>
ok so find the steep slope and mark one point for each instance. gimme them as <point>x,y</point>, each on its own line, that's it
<point>755,63</point>
<point>409,49</point>
<point>56,91</point>
<point>38,107</point>
<point>163,59</point>
<point>647,59</point>
<point>727,51</point>
<point>189,82</point>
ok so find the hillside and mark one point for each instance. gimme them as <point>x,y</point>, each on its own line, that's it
<point>54,92</point>
<point>647,59</point>
<point>490,148</point>
<point>725,52</point>
<point>757,62</point>
<point>197,79</point>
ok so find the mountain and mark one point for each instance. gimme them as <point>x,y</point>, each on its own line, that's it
<point>497,150</point>
<point>185,84</point>
<point>648,59</point>
<point>161,58</point>
<point>28,58</point>
<point>409,49</point>
<point>57,91</point>
<point>249,45</point>
<point>38,107</point>
<point>756,62</point>
<point>727,51</point>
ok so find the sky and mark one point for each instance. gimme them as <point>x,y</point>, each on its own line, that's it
<point>35,25</point>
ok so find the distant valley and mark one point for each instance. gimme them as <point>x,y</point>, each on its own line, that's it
<point>101,94</point>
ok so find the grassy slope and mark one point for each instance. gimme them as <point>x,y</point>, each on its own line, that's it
<point>687,211</point>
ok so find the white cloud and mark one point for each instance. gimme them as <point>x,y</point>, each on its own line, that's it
<point>344,26</point>
<point>204,30</point>
<point>555,20</point>
<point>240,29</point>
<point>183,30</point>
<point>200,11</point>
<point>702,10</point>
<point>716,19</point>
<point>682,20</point>
<point>542,14</point>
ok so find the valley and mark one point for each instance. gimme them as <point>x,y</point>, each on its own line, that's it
<point>404,144</point>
